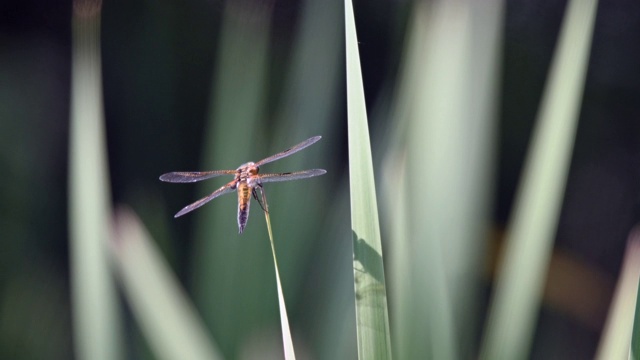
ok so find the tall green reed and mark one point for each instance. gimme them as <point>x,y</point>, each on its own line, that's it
<point>532,227</point>
<point>372,320</point>
<point>96,315</point>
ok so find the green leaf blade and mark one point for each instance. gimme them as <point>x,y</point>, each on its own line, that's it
<point>372,319</point>
<point>96,316</point>
<point>167,318</point>
<point>531,230</point>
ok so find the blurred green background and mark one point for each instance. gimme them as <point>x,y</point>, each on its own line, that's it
<point>203,85</point>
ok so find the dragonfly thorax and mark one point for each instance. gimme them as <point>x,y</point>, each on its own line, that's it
<point>246,172</point>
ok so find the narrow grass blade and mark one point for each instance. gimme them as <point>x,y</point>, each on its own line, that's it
<point>394,188</point>
<point>167,319</point>
<point>617,332</point>
<point>94,301</point>
<point>372,320</point>
<point>439,171</point>
<point>533,224</point>
<point>287,341</point>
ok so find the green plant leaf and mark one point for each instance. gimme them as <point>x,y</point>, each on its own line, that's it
<point>166,316</point>
<point>437,175</point>
<point>372,320</point>
<point>289,353</point>
<point>531,229</point>
<point>96,316</point>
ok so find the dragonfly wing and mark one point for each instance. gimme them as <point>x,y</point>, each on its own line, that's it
<point>292,150</point>
<point>265,178</point>
<point>223,190</point>
<point>193,176</point>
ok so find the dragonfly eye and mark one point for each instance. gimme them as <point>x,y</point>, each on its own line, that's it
<point>245,166</point>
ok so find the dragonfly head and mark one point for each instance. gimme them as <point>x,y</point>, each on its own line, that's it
<point>246,166</point>
<point>249,168</point>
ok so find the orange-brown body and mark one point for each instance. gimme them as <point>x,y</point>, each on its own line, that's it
<point>247,181</point>
<point>244,200</point>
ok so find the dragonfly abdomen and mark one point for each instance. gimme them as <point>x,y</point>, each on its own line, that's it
<point>244,198</point>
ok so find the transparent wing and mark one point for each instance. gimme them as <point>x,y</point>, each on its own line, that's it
<point>265,178</point>
<point>193,176</point>
<point>223,190</point>
<point>291,150</point>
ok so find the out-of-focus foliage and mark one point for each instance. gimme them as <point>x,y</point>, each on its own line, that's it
<point>204,85</point>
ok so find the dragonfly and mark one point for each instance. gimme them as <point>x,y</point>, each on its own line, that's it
<point>246,179</point>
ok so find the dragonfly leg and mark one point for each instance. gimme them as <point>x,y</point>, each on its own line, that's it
<point>255,196</point>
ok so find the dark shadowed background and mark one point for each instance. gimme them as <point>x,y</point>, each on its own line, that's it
<point>161,63</point>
